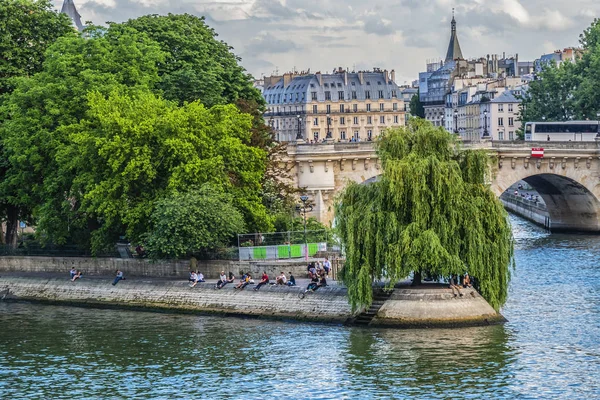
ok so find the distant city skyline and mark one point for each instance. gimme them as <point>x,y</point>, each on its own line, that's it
<point>272,35</point>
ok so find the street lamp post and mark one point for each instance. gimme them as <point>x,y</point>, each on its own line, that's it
<point>299,134</point>
<point>304,209</point>
<point>598,132</point>
<point>485,131</point>
<point>455,121</point>
<point>328,136</point>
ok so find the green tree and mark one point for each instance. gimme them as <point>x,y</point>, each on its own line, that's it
<point>133,150</point>
<point>198,66</point>
<point>36,112</point>
<point>192,222</point>
<point>27,28</point>
<point>429,212</point>
<point>416,107</point>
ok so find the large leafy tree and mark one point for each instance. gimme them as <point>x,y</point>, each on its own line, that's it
<point>416,107</point>
<point>27,29</point>
<point>41,105</point>
<point>131,151</point>
<point>192,222</point>
<point>198,66</point>
<point>430,211</point>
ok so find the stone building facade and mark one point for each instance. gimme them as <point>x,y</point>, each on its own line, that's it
<point>342,106</point>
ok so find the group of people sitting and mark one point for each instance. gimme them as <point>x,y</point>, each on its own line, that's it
<point>195,277</point>
<point>246,280</point>
<point>319,268</point>
<point>455,284</point>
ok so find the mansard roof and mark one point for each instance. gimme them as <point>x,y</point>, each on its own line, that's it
<point>69,9</point>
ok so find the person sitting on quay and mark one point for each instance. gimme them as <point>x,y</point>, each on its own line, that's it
<point>312,286</point>
<point>193,277</point>
<point>245,281</point>
<point>198,278</point>
<point>453,285</point>
<point>467,281</point>
<point>263,281</point>
<point>72,272</point>
<point>292,280</point>
<point>281,279</point>
<point>118,277</point>
<point>76,276</point>
<point>222,280</point>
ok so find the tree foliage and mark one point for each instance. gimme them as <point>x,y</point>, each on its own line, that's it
<point>416,107</point>
<point>570,90</point>
<point>191,222</point>
<point>430,211</point>
<point>27,28</point>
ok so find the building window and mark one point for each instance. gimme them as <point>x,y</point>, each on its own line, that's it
<point>368,83</point>
<point>511,135</point>
<point>340,85</point>
<point>368,107</point>
<point>340,95</point>
<point>342,120</point>
<point>395,119</point>
<point>395,106</point>
<point>316,122</point>
<point>393,94</point>
<point>316,136</point>
<point>511,121</point>
<point>381,106</point>
<point>501,121</point>
<point>369,134</point>
<point>313,95</point>
<point>353,94</point>
<point>297,97</point>
<point>369,120</point>
<point>381,94</point>
<point>500,135</point>
<point>353,83</point>
<point>510,108</point>
<point>343,135</point>
<point>355,107</point>
<point>500,107</point>
<point>382,119</point>
<point>315,109</point>
<point>355,121</point>
<point>326,85</point>
<point>356,137</point>
<point>328,108</point>
<point>367,94</point>
<point>327,95</point>
<point>312,85</point>
<point>341,108</point>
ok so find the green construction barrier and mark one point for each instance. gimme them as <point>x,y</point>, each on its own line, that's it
<point>296,250</point>
<point>313,248</point>
<point>259,253</point>
<point>283,251</point>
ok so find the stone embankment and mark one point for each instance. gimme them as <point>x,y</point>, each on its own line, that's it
<point>532,211</point>
<point>427,306</point>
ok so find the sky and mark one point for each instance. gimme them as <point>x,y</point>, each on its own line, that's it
<point>282,35</point>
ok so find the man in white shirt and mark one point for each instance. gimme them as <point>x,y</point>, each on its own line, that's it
<point>281,279</point>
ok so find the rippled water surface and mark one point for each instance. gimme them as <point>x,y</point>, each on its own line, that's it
<point>550,348</point>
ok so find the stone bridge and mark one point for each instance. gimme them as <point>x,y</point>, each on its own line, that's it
<point>567,177</point>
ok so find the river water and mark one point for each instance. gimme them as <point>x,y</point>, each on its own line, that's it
<point>550,348</point>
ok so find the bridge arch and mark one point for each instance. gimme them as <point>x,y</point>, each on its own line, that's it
<point>571,195</point>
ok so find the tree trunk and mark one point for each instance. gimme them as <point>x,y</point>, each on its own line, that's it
<point>416,278</point>
<point>12,226</point>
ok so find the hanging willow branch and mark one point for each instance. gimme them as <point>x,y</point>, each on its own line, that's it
<point>430,211</point>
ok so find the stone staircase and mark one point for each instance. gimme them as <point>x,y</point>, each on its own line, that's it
<point>379,298</point>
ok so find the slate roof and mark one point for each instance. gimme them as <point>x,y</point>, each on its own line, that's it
<point>454,51</point>
<point>69,9</point>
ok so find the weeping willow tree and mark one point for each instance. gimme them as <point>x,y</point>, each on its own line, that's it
<point>430,211</point>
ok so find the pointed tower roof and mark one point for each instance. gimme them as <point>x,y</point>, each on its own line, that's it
<point>454,51</point>
<point>69,9</point>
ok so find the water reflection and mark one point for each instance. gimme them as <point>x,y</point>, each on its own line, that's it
<point>550,348</point>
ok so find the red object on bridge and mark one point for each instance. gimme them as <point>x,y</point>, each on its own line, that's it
<point>537,152</point>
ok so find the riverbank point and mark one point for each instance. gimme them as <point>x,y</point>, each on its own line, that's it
<point>427,305</point>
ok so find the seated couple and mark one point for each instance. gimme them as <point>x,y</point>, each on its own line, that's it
<point>316,283</point>
<point>224,280</point>
<point>195,277</point>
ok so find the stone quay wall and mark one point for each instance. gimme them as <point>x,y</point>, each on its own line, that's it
<point>407,307</point>
<point>526,209</point>
<point>144,267</point>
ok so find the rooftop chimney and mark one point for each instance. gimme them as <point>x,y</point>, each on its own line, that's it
<point>393,75</point>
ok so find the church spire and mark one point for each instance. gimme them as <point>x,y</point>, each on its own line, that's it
<point>69,9</point>
<point>454,51</point>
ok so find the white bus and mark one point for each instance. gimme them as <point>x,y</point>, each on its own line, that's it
<point>575,131</point>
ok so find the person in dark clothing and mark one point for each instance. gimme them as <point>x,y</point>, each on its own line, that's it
<point>118,277</point>
<point>263,281</point>
<point>291,281</point>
